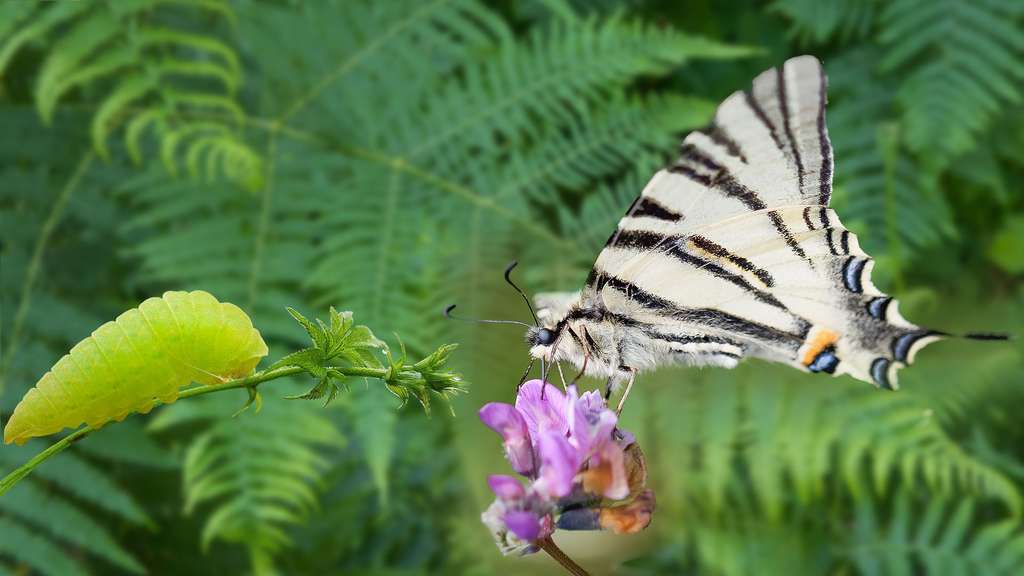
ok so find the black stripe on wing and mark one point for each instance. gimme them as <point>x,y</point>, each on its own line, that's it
<point>650,207</point>
<point>706,317</point>
<point>720,136</point>
<point>755,107</point>
<point>701,168</point>
<point>838,244</point>
<point>780,83</point>
<point>673,246</point>
<point>698,166</point>
<point>721,252</point>
<point>825,173</point>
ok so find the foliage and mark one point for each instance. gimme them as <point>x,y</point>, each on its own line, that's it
<point>149,65</point>
<point>393,157</point>
<point>259,472</point>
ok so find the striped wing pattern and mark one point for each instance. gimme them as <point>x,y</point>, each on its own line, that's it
<point>733,247</point>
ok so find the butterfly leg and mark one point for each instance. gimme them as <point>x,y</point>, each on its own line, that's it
<point>565,386</point>
<point>608,385</point>
<point>625,393</point>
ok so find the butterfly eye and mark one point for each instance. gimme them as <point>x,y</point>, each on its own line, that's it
<point>545,337</point>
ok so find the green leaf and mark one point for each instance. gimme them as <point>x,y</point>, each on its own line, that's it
<point>36,551</point>
<point>67,56</point>
<point>1007,248</point>
<point>49,19</point>
<point>260,473</point>
<point>127,92</point>
<point>144,356</point>
<point>30,502</point>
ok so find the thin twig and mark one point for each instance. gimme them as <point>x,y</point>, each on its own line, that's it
<point>548,545</point>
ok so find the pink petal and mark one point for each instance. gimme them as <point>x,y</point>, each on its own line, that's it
<point>507,421</point>
<point>525,525</point>
<point>559,463</point>
<point>542,413</point>
<point>590,422</point>
<point>505,487</point>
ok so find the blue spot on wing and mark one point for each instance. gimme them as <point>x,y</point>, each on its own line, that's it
<point>880,372</point>
<point>901,345</point>
<point>826,361</point>
<point>852,272</point>
<point>878,306</point>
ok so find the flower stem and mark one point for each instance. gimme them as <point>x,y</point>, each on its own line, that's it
<point>548,545</point>
<point>251,381</point>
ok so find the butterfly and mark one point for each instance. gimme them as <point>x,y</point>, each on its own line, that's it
<point>733,252</point>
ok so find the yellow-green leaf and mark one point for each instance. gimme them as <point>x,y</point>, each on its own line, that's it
<point>146,355</point>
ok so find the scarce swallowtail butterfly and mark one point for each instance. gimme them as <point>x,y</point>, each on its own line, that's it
<point>732,251</point>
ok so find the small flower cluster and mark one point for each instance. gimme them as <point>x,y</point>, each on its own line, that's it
<point>584,473</point>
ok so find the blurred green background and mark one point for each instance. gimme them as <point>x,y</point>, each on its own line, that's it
<point>390,157</point>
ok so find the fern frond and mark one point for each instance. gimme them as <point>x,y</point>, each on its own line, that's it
<point>153,74</point>
<point>258,472</point>
<point>37,551</point>
<point>563,72</point>
<point>62,521</point>
<point>802,444</point>
<point>82,479</point>
<point>819,22</point>
<point>940,540</point>
<point>882,191</point>
<point>970,54</point>
<point>30,503</point>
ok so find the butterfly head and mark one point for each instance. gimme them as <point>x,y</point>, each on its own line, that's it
<point>537,336</point>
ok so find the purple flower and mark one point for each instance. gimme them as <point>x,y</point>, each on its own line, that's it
<point>505,487</point>
<point>524,524</point>
<point>582,472</point>
<point>518,517</point>
<point>559,463</point>
<point>543,408</point>
<point>507,421</point>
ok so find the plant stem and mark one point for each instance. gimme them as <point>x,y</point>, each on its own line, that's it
<point>251,381</point>
<point>56,448</point>
<point>548,545</point>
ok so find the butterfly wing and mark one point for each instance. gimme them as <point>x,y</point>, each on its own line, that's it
<point>735,239</point>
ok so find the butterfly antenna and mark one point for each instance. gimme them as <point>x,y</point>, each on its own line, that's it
<point>448,314</point>
<point>508,278</point>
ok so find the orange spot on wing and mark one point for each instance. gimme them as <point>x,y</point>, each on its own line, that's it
<point>822,339</point>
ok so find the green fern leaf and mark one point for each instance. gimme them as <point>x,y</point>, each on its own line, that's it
<point>259,472</point>
<point>82,479</point>
<point>147,66</point>
<point>819,22</point>
<point>970,54</point>
<point>31,504</point>
<point>34,550</point>
<point>942,542</point>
